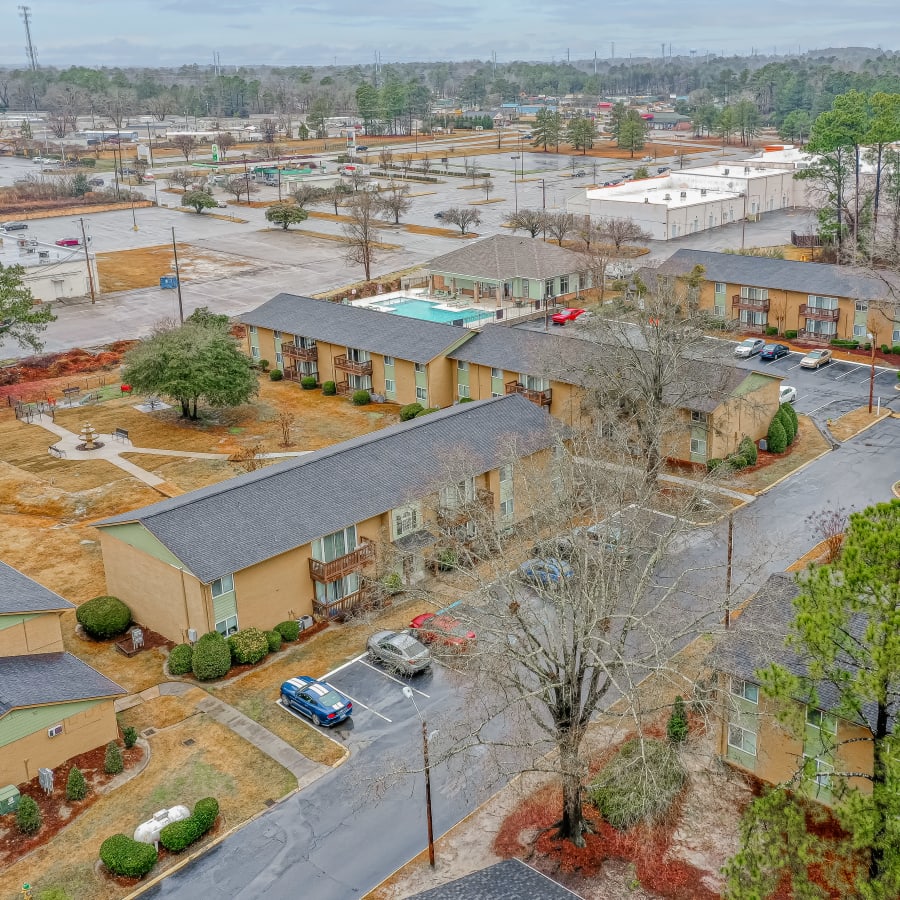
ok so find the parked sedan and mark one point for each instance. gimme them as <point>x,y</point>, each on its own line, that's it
<point>816,358</point>
<point>545,572</point>
<point>399,651</point>
<point>566,315</point>
<point>439,214</point>
<point>14,226</point>
<point>317,700</point>
<point>68,242</point>
<point>749,347</point>
<point>774,351</point>
<point>442,628</point>
<point>787,394</point>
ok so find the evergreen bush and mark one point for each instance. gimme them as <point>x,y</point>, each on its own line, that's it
<point>787,423</point>
<point>125,856</point>
<point>329,388</point>
<point>274,639</point>
<point>361,398</point>
<point>180,659</point>
<point>103,617</point>
<point>113,763</point>
<point>76,785</point>
<point>289,630</point>
<point>206,811</point>
<point>248,646</point>
<point>308,382</point>
<point>777,439</point>
<point>276,375</point>
<point>747,449</point>
<point>212,657</point>
<point>410,411</point>
<point>178,836</point>
<point>28,816</point>
<point>677,726</point>
<point>129,736</point>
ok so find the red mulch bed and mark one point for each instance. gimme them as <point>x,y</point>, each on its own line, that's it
<point>38,371</point>
<point>56,812</point>
<point>152,639</point>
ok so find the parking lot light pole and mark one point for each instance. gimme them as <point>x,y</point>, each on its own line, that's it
<point>515,160</point>
<point>408,693</point>
<point>871,337</point>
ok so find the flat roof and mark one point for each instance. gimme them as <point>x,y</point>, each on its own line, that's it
<point>661,192</point>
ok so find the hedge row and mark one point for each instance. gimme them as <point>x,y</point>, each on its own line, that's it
<point>125,856</point>
<point>178,836</point>
<point>213,655</point>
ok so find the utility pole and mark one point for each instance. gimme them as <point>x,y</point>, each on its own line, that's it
<point>728,571</point>
<point>177,278</point>
<point>87,259</point>
<point>872,373</point>
<point>25,13</point>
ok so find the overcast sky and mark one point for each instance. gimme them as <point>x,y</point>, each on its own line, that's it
<point>322,32</point>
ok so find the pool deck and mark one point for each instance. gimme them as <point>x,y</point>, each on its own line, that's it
<point>474,315</point>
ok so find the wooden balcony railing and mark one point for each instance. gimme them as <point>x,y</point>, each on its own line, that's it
<point>304,354</point>
<point>343,606</point>
<point>343,565</point>
<point>739,302</point>
<point>354,368</point>
<point>542,398</point>
<point>816,337</point>
<point>818,312</point>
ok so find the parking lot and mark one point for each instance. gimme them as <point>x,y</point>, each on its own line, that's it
<point>379,706</point>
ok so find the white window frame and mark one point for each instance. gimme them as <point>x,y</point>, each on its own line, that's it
<point>276,335</point>
<point>253,329</point>
<point>862,306</point>
<point>859,331</point>
<point>221,586</point>
<point>254,352</point>
<point>740,687</point>
<point>462,365</point>
<point>744,734</point>
<point>564,284</point>
<point>699,418</point>
<point>721,287</point>
<point>507,508</point>
<point>496,373</point>
<point>698,446</point>
<point>818,302</point>
<point>406,520</point>
<point>821,721</point>
<point>227,626</point>
<point>388,360</point>
<point>390,386</point>
<point>279,358</point>
<point>462,390</point>
<point>421,394</point>
<point>420,367</point>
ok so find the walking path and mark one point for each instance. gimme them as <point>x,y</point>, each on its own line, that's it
<point>67,447</point>
<point>303,769</point>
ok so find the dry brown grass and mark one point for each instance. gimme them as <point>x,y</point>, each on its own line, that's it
<point>219,764</point>
<point>852,423</point>
<point>126,270</point>
<point>186,474</point>
<point>162,712</point>
<point>438,232</point>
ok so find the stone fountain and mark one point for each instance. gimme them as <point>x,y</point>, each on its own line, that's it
<point>88,437</point>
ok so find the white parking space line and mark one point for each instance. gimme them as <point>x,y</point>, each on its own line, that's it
<point>386,675</point>
<point>312,724</point>
<point>363,705</point>
<point>855,369</point>
<point>344,666</point>
<point>791,369</point>
<point>820,407</point>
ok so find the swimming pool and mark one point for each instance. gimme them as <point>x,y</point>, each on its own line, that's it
<point>415,308</point>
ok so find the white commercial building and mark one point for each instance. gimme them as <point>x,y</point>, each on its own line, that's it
<point>691,200</point>
<point>51,272</point>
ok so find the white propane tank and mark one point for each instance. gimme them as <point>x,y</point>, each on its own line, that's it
<point>148,832</point>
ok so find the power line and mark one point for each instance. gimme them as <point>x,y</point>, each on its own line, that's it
<point>25,13</point>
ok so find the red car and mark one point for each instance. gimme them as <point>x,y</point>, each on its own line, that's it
<point>68,242</point>
<point>442,628</point>
<point>566,315</point>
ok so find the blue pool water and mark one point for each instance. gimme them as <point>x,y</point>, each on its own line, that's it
<point>426,309</point>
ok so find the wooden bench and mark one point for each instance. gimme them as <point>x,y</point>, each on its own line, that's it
<point>71,392</point>
<point>58,452</point>
<point>121,434</point>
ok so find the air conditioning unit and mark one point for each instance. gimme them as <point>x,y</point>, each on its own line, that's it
<point>728,171</point>
<point>684,195</point>
<point>55,731</point>
<point>667,196</point>
<point>746,170</point>
<point>192,635</point>
<point>646,199</point>
<point>702,192</point>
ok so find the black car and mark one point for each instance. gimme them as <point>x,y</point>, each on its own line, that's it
<point>361,147</point>
<point>14,226</point>
<point>579,173</point>
<point>439,214</point>
<point>774,351</point>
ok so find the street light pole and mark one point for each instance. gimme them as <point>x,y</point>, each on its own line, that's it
<point>408,693</point>
<point>871,337</point>
<point>177,279</point>
<point>87,259</point>
<point>246,178</point>
<point>515,161</point>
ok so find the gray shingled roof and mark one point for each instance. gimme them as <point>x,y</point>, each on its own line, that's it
<point>780,274</point>
<point>508,880</point>
<point>237,523</point>
<point>355,326</point>
<point>37,679</point>
<point>506,256</point>
<point>758,639</point>
<point>19,594</point>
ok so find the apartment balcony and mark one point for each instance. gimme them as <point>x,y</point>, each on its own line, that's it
<point>303,354</point>
<point>343,565</point>
<point>456,514</point>
<point>750,327</point>
<point>542,398</point>
<point>819,313</point>
<point>344,606</point>
<point>816,337</point>
<point>351,367</point>
<point>739,302</point>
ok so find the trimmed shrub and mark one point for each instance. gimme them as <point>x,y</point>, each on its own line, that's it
<point>206,811</point>
<point>76,785</point>
<point>792,413</point>
<point>771,330</point>
<point>103,617</point>
<point>447,560</point>
<point>113,763</point>
<point>714,463</point>
<point>392,583</point>
<point>177,836</point>
<point>790,335</point>
<point>639,784</point>
<point>677,726</point>
<point>125,856</point>
<point>308,382</point>
<point>276,375</point>
<point>361,398</point>
<point>274,639</point>
<point>787,423</point>
<point>777,439</point>
<point>885,349</point>
<point>289,630</point>
<point>264,365</point>
<point>895,348</point>
<point>28,816</point>
<point>180,659</point>
<point>465,399</point>
<point>410,411</point>
<point>329,388</point>
<point>212,657</point>
<point>747,449</point>
<point>736,460</point>
<point>248,646</point>
<point>129,736</point>
<point>426,412</point>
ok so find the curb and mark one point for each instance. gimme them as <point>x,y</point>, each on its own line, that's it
<point>881,418</point>
<point>796,471</point>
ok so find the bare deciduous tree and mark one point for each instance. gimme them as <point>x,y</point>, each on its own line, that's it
<point>186,144</point>
<point>829,525</point>
<point>181,177</point>
<point>487,185</point>
<point>531,220</point>
<point>286,424</point>
<point>335,194</point>
<point>393,202</point>
<point>560,225</point>
<point>463,217</point>
<point>386,157</point>
<point>619,232</point>
<point>305,194</point>
<point>240,184</point>
<point>224,140</point>
<point>361,232</point>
